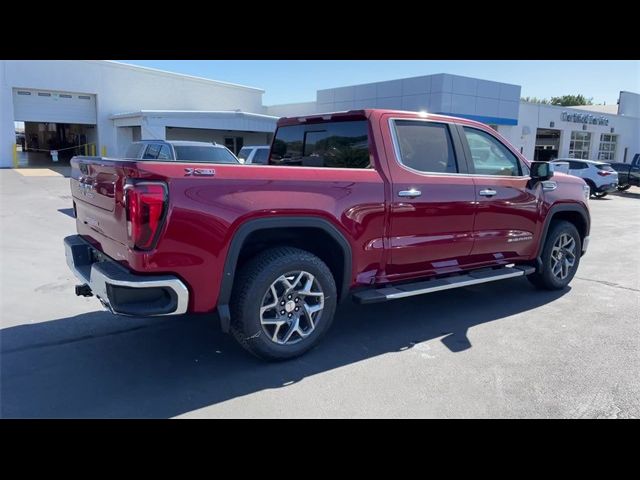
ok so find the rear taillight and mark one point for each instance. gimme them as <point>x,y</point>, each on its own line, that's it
<point>604,173</point>
<point>146,204</point>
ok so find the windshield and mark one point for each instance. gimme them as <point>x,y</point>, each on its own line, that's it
<point>210,154</point>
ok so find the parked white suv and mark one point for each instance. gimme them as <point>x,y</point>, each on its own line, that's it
<point>258,155</point>
<point>600,176</point>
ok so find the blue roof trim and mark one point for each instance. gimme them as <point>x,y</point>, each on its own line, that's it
<point>480,118</point>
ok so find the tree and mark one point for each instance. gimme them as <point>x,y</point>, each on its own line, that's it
<point>535,100</point>
<point>571,100</point>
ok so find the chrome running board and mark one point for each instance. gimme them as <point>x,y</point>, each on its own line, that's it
<point>435,285</point>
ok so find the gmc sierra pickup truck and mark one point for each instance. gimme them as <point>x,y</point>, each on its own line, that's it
<point>628,173</point>
<point>375,205</point>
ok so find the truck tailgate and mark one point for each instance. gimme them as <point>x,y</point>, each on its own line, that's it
<point>97,186</point>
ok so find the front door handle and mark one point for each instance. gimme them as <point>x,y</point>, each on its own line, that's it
<point>409,193</point>
<point>487,192</point>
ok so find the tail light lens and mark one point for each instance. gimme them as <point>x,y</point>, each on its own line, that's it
<point>604,173</point>
<point>146,205</point>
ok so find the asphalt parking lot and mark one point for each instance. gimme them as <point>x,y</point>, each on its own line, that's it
<point>502,349</point>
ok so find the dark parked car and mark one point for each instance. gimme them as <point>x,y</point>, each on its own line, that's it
<point>628,173</point>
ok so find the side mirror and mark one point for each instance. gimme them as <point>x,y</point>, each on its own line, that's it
<point>541,171</point>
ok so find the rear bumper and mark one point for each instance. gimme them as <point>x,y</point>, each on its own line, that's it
<point>610,187</point>
<point>121,291</point>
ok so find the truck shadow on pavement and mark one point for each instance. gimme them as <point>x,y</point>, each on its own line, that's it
<point>98,365</point>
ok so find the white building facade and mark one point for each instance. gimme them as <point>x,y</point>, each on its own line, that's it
<point>67,103</point>
<point>100,107</point>
<point>541,132</point>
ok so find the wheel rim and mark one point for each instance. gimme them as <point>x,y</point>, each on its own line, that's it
<point>291,308</point>
<point>563,256</point>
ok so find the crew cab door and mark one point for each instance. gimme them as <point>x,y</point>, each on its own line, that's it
<point>507,213</point>
<point>432,201</point>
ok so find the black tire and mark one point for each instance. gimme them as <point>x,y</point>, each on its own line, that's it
<point>599,194</point>
<point>623,188</point>
<point>252,286</point>
<point>546,279</point>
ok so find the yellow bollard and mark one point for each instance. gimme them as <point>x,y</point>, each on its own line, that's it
<point>93,149</point>
<point>104,151</point>
<point>15,155</point>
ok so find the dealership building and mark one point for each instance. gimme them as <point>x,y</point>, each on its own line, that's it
<point>50,110</point>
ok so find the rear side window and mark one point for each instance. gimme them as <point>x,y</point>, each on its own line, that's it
<point>134,150</point>
<point>261,156</point>
<point>331,145</point>
<point>426,146</point>
<point>211,154</point>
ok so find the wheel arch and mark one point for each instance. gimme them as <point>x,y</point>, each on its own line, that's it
<point>340,266</point>
<point>573,213</point>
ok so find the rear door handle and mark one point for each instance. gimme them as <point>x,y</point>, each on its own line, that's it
<point>409,193</point>
<point>487,192</point>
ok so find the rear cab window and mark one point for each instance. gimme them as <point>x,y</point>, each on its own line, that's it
<point>337,144</point>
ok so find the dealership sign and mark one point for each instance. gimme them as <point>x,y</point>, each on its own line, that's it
<point>584,118</point>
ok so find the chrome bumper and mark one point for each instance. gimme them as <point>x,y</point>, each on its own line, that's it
<point>121,291</point>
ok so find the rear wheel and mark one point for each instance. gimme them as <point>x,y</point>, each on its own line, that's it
<point>560,257</point>
<point>283,303</point>
<point>599,194</point>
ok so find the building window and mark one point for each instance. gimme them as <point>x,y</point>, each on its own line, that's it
<point>580,144</point>
<point>607,147</point>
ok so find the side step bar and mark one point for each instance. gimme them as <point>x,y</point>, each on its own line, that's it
<point>429,286</point>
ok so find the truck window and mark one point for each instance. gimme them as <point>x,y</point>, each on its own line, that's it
<point>330,145</point>
<point>489,155</point>
<point>425,146</point>
<point>210,154</point>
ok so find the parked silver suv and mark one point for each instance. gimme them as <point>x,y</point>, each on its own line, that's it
<point>180,151</point>
<point>600,176</point>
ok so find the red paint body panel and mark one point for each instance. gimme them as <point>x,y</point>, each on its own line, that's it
<point>448,228</point>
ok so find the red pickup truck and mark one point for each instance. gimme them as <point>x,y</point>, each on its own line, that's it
<point>375,205</point>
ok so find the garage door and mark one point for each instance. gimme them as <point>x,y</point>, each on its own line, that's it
<point>55,107</point>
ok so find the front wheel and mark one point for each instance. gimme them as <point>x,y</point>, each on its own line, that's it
<point>283,303</point>
<point>560,257</point>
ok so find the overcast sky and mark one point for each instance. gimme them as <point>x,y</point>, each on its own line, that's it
<point>287,81</point>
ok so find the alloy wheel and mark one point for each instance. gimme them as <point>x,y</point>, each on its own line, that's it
<point>563,256</point>
<point>292,307</point>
